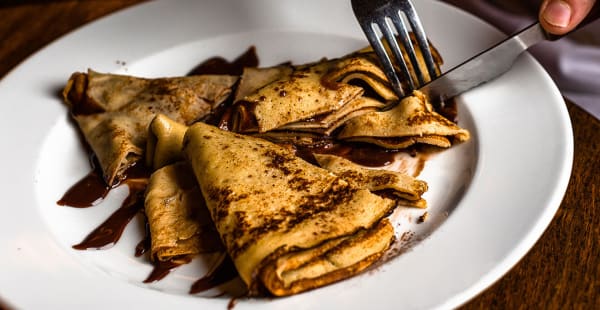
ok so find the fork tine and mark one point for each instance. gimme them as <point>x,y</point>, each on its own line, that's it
<point>408,48</point>
<point>386,15</point>
<point>392,43</point>
<point>383,57</point>
<point>421,39</point>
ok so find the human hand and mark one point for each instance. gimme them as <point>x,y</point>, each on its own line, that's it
<point>561,16</point>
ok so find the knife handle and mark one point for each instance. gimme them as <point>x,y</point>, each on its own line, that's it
<point>593,15</point>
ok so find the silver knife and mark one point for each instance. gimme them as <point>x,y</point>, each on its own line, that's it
<point>491,63</point>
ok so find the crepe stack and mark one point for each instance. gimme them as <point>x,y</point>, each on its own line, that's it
<point>344,98</point>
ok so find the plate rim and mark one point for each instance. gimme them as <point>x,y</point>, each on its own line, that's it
<point>456,300</point>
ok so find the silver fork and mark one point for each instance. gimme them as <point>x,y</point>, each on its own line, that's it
<point>384,14</point>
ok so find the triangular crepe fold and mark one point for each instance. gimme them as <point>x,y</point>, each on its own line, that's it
<point>267,203</point>
<point>113,111</point>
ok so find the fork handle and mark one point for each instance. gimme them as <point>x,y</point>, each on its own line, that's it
<point>592,16</point>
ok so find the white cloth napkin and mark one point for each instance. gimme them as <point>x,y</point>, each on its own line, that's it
<point>573,61</point>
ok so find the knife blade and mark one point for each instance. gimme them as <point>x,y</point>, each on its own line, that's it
<point>484,66</point>
<point>494,61</point>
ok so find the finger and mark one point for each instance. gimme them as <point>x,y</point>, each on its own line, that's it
<point>561,16</point>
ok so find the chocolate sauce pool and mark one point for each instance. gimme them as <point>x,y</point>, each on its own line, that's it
<point>219,65</point>
<point>92,189</point>
<point>361,153</point>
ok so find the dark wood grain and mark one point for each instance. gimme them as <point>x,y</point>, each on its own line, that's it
<point>562,271</point>
<point>26,25</point>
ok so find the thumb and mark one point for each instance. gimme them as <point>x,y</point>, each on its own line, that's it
<point>561,16</point>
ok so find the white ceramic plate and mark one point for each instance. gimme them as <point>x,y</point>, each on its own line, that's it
<point>490,198</point>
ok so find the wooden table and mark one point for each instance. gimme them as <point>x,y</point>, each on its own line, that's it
<point>562,271</point>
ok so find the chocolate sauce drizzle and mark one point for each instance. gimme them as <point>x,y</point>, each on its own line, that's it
<point>110,231</point>
<point>144,245</point>
<point>224,272</point>
<point>162,269</point>
<point>87,192</point>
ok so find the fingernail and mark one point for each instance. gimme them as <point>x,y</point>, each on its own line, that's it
<point>557,13</point>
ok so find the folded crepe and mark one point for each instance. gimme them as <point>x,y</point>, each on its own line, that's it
<point>179,222</point>
<point>399,186</point>
<point>113,111</point>
<point>288,226</point>
<point>411,121</point>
